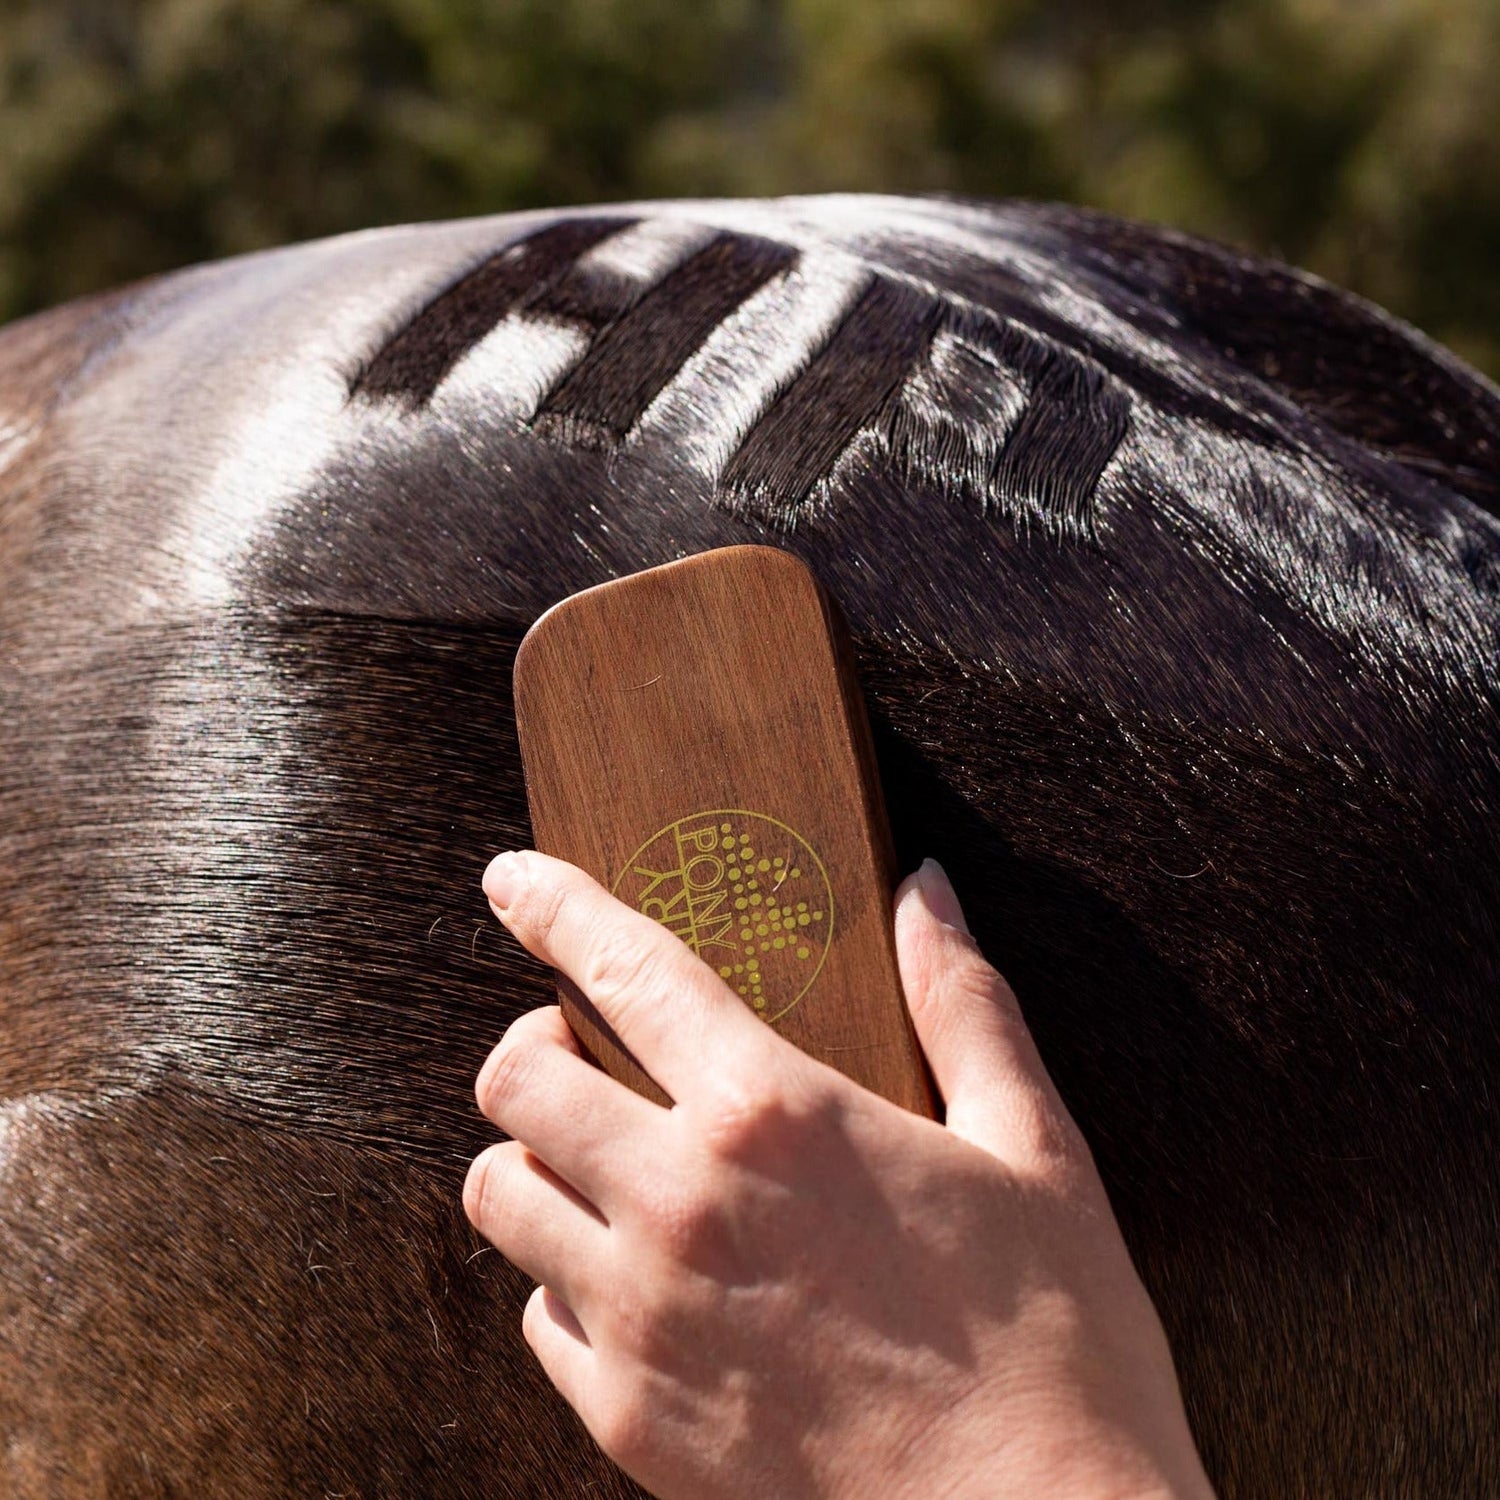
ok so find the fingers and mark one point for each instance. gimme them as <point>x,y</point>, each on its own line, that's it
<point>997,1092</point>
<point>537,1221</point>
<point>590,1130</point>
<point>667,1006</point>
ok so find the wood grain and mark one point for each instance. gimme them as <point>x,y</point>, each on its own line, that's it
<point>694,737</point>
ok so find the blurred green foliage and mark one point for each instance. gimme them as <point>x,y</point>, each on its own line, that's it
<point>1360,138</point>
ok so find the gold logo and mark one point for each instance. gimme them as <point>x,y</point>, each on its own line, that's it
<point>746,893</point>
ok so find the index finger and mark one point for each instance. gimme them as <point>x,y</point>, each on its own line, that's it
<point>665,1004</point>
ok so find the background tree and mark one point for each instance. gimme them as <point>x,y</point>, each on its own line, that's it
<point>1360,138</point>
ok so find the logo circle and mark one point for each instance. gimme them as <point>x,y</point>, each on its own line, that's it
<point>747,893</point>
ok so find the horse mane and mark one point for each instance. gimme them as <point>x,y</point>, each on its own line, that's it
<point>1174,582</point>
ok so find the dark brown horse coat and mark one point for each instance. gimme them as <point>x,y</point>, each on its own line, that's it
<point>1175,579</point>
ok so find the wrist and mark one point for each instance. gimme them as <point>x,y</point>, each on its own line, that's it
<point>1062,1456</point>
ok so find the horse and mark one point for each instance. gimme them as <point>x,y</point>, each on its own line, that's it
<point>1173,580</point>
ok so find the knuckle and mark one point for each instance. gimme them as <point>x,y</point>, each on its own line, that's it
<point>683,1222</point>
<point>962,987</point>
<point>747,1116</point>
<point>625,1427</point>
<point>945,954</point>
<point>1067,1148</point>
<point>1049,1141</point>
<point>741,1120</point>
<point>661,1318</point>
<point>538,908</point>
<point>620,968</point>
<point>979,982</point>
<point>506,1071</point>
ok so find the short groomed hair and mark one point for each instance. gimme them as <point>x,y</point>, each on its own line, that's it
<point>1173,581</point>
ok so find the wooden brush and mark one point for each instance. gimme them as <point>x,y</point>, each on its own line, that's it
<point>694,737</point>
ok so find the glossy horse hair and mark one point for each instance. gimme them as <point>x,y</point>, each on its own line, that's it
<point>1174,578</point>
<point>412,365</point>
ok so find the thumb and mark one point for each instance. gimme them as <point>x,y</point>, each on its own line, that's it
<point>997,1092</point>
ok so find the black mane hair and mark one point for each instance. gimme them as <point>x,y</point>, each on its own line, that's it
<point>1174,578</point>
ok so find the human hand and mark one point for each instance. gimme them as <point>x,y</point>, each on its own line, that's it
<point>786,1286</point>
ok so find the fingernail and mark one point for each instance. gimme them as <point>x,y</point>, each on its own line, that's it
<point>938,895</point>
<point>502,879</point>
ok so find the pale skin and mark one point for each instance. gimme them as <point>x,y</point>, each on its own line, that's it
<point>786,1286</point>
